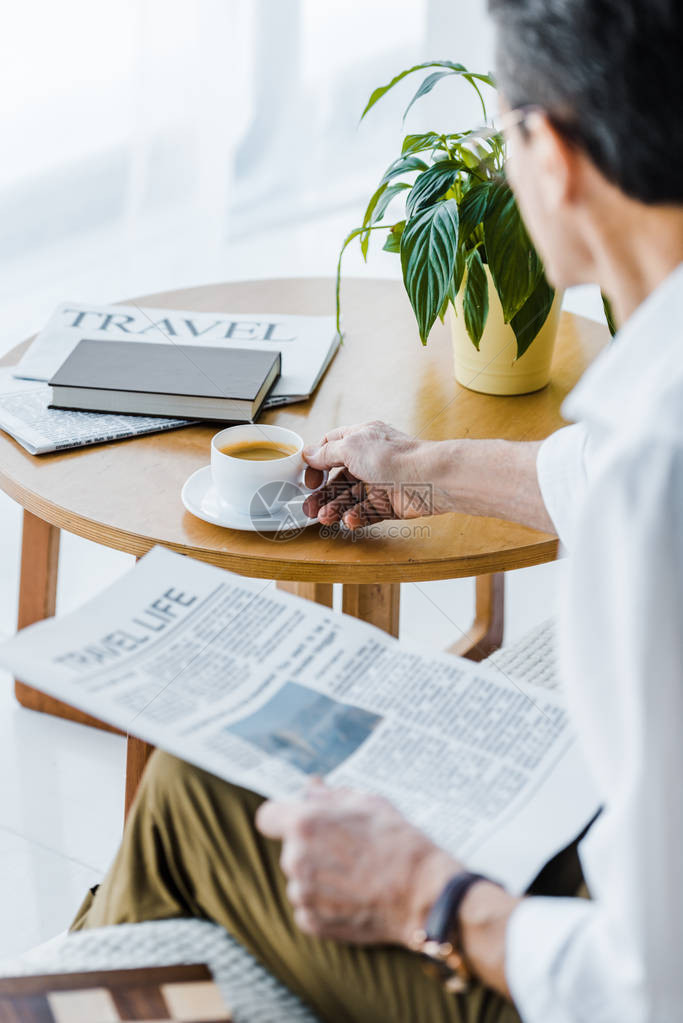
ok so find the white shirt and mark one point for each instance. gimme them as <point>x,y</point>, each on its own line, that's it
<point>613,485</point>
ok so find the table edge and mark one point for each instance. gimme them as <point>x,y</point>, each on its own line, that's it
<point>536,552</point>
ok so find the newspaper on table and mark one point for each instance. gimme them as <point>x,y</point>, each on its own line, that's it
<point>25,415</point>
<point>307,343</point>
<point>265,689</point>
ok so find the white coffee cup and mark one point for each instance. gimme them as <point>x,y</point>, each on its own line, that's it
<point>238,480</point>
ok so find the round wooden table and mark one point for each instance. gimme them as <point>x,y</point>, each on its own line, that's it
<point>127,494</point>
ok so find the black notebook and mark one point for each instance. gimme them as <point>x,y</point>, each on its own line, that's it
<point>188,381</point>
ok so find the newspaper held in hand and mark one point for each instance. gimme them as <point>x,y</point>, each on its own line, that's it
<point>25,415</point>
<point>265,689</point>
<point>307,343</point>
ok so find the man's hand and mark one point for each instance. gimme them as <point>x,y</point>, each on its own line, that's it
<point>383,475</point>
<point>357,870</point>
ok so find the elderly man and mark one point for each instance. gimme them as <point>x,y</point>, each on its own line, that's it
<point>593,89</point>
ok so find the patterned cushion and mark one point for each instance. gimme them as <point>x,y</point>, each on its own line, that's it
<point>252,993</point>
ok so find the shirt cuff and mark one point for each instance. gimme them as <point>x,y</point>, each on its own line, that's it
<point>538,932</point>
<point>561,471</point>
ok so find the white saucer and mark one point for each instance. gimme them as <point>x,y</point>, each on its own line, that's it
<point>201,498</point>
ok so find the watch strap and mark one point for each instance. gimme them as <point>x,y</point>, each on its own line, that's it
<point>440,941</point>
<point>442,923</point>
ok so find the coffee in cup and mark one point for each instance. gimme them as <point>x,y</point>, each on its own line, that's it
<point>258,451</point>
<point>248,458</point>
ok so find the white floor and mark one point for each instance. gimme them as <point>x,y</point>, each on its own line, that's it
<point>61,800</point>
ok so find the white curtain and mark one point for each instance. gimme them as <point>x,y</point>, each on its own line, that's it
<point>154,143</point>
<point>305,151</point>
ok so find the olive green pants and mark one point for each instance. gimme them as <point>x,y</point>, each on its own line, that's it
<point>190,848</point>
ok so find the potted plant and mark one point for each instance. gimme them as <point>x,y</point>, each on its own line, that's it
<point>463,245</point>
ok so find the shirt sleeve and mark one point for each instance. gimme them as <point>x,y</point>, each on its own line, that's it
<point>616,959</point>
<point>562,477</point>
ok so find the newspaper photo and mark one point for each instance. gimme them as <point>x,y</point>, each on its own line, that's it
<point>25,415</point>
<point>266,689</point>
<point>307,343</point>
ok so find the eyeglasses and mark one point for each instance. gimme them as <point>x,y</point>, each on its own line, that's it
<point>516,118</point>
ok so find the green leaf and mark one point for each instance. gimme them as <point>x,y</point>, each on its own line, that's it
<point>381,198</point>
<point>429,250</point>
<point>490,165</point>
<point>377,207</point>
<point>444,308</point>
<point>393,242</point>
<point>473,207</point>
<point>458,273</point>
<point>384,89</point>
<point>476,298</point>
<point>472,79</point>
<point>513,261</point>
<point>533,314</point>
<point>609,315</point>
<point>431,184</point>
<point>426,87</point>
<point>426,140</point>
<point>469,158</point>
<point>403,165</point>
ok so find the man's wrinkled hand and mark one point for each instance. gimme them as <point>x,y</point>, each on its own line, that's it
<point>357,871</point>
<point>381,475</point>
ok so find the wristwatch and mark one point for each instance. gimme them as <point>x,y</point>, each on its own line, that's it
<point>440,941</point>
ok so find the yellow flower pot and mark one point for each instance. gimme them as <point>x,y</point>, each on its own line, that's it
<point>495,368</point>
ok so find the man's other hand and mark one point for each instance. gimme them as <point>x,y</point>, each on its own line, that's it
<point>357,871</point>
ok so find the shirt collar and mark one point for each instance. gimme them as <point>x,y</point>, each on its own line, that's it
<point>644,358</point>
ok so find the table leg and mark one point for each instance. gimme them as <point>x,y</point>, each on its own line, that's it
<point>486,632</point>
<point>138,753</point>
<point>37,600</point>
<point>377,603</point>
<point>321,593</point>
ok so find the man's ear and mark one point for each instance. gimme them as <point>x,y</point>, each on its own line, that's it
<point>556,161</point>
